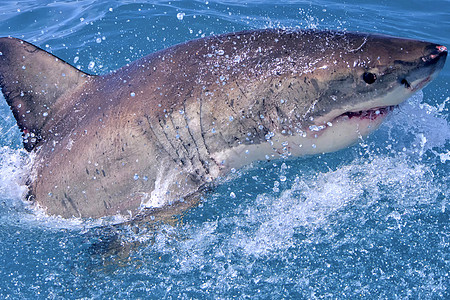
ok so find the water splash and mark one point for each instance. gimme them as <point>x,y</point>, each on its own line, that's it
<point>14,170</point>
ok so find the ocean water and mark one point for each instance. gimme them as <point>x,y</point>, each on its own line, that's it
<point>370,221</point>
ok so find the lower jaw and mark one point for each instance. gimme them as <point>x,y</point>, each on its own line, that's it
<point>345,132</point>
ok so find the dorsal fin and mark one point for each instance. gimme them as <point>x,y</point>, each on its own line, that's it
<point>32,80</point>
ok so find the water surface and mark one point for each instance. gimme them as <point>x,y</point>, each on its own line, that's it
<point>370,221</point>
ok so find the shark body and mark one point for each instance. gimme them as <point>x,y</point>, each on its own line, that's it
<point>166,125</point>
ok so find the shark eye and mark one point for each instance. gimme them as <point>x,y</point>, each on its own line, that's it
<point>369,78</point>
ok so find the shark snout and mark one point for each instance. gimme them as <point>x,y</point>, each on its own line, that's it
<point>427,67</point>
<point>442,49</point>
<point>435,53</point>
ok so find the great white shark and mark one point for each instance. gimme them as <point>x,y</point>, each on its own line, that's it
<point>163,127</point>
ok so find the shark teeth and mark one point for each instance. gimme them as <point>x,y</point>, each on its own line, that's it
<point>371,114</point>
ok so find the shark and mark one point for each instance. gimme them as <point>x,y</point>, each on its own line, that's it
<point>168,125</point>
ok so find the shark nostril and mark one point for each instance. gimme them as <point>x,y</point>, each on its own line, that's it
<point>405,83</point>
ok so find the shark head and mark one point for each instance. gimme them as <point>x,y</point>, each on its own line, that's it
<point>366,80</point>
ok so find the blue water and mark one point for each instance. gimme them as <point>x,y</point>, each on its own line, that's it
<point>371,221</point>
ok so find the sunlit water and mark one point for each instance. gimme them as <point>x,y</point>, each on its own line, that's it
<point>368,221</point>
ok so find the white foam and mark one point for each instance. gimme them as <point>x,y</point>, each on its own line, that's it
<point>15,167</point>
<point>14,170</point>
<point>311,200</point>
<point>36,217</point>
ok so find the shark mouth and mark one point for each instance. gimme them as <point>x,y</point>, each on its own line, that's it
<point>370,114</point>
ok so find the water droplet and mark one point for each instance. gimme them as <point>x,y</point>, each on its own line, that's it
<point>180,16</point>
<point>110,9</point>
<point>232,195</point>
<point>230,118</point>
<point>98,40</point>
<point>233,170</point>
<point>220,52</point>
<point>91,65</point>
<point>136,177</point>
<point>282,178</point>
<point>213,130</point>
<point>269,135</point>
<point>23,67</point>
<point>316,128</point>
<point>45,114</point>
<point>132,94</point>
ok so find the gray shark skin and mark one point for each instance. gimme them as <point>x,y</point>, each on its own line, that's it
<point>161,128</point>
